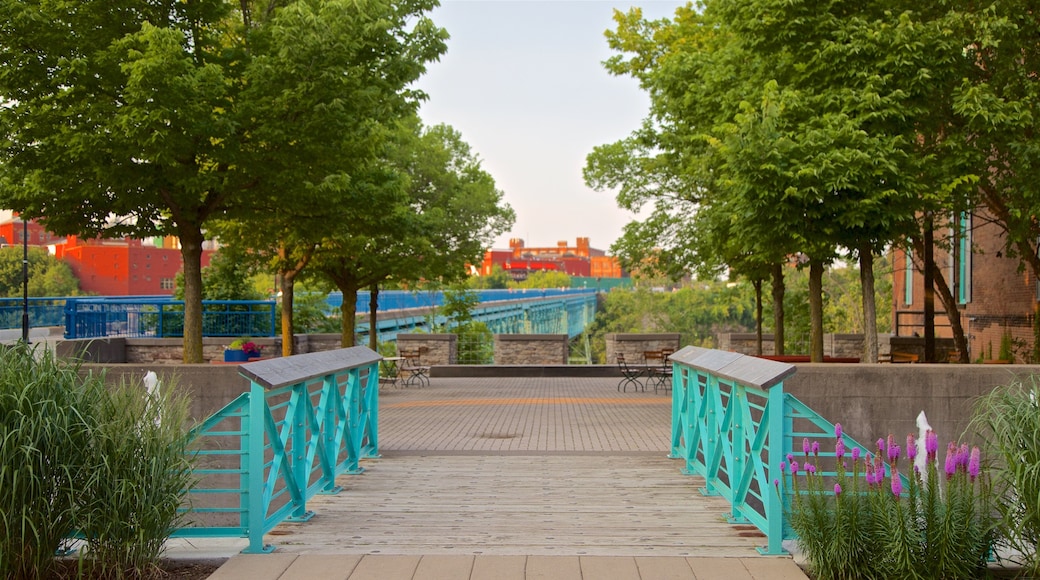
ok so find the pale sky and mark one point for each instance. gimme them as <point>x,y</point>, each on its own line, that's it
<point>523,82</point>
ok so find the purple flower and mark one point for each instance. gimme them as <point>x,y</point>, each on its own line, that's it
<point>839,449</point>
<point>881,446</point>
<point>783,466</point>
<point>870,473</point>
<point>837,489</point>
<point>805,446</point>
<point>897,484</point>
<point>951,460</point>
<point>911,447</point>
<point>810,468</point>
<point>837,430</point>
<point>893,453</point>
<point>963,456</point>
<point>816,448</point>
<point>855,453</point>
<point>931,445</point>
<point>891,443</point>
<point>973,463</point>
<point>790,457</point>
<point>794,468</point>
<point>776,483</point>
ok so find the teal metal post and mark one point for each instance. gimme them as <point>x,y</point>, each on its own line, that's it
<point>779,445</point>
<point>299,468</point>
<point>710,443</point>
<point>255,513</point>
<point>738,404</point>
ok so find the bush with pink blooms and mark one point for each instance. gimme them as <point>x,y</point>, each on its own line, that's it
<point>863,515</point>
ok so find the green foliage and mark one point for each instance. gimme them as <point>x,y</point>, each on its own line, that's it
<point>544,279</point>
<point>860,523</point>
<point>48,276</point>
<point>228,277</point>
<point>1006,347</point>
<point>143,470</point>
<point>499,279</point>
<point>46,427</point>
<point>842,304</point>
<point>76,456</point>
<point>697,312</point>
<point>1009,418</point>
<point>310,313</point>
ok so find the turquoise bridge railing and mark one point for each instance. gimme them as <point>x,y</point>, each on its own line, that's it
<point>558,314</point>
<point>304,420</point>
<point>733,425</point>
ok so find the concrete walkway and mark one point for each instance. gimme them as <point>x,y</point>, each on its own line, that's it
<point>529,418</point>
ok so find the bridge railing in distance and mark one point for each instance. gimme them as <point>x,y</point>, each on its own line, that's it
<point>163,317</point>
<point>730,427</point>
<point>42,312</point>
<point>304,420</point>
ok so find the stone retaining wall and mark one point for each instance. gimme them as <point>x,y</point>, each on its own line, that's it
<point>441,349</point>
<point>632,345</point>
<point>531,349</point>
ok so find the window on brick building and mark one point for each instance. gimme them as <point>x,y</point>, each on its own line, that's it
<point>908,278</point>
<point>960,265</point>
<point>166,283</point>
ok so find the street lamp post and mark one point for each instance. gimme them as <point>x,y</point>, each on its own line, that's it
<point>25,281</point>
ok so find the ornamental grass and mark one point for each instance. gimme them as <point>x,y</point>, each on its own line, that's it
<point>873,517</point>
<point>79,459</point>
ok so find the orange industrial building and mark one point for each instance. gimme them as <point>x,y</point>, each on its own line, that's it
<point>579,260</point>
<point>117,267</point>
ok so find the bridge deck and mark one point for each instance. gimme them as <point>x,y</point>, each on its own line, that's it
<point>543,466</point>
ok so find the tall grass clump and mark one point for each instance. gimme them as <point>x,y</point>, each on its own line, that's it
<point>866,521</point>
<point>78,459</point>
<point>143,470</point>
<point>1008,417</point>
<point>46,421</point>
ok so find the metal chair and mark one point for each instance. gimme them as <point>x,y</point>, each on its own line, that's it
<point>630,374</point>
<point>658,368</point>
<point>413,367</point>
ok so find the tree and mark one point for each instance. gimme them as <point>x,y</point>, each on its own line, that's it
<point>48,276</point>
<point>545,279</point>
<point>155,117</point>
<point>446,213</point>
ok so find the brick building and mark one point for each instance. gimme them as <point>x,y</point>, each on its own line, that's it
<point>579,260</point>
<point>116,267</point>
<point>993,296</point>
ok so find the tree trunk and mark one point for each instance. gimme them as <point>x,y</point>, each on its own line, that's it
<point>778,308</point>
<point>289,269</point>
<point>866,280</point>
<point>373,318</point>
<point>929,289</point>
<point>348,311</point>
<point>191,256</point>
<point>287,285</point>
<point>960,339</point>
<point>758,315</point>
<point>815,310</point>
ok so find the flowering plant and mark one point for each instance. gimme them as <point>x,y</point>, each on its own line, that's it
<point>852,523</point>
<point>247,346</point>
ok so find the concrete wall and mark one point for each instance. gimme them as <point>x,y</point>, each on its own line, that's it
<point>870,401</point>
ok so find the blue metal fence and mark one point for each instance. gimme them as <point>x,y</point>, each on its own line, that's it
<point>304,420</point>
<point>42,312</point>
<point>163,317</point>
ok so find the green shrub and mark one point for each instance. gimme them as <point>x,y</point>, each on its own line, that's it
<point>112,465</point>
<point>1009,419</point>
<point>143,470</point>
<point>46,422</point>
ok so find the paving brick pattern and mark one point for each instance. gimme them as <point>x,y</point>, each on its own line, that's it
<point>501,415</point>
